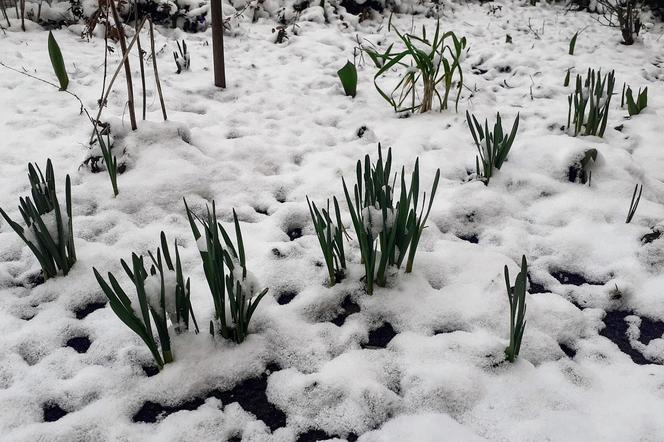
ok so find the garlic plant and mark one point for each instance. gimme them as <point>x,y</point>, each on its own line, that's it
<point>235,292</point>
<point>588,106</point>
<point>48,231</point>
<point>330,238</point>
<point>497,144</point>
<point>388,230</point>
<point>162,294</point>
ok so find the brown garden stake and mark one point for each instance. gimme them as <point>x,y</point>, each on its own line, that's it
<point>218,44</point>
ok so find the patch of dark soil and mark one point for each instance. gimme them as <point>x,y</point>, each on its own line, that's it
<point>471,238</point>
<point>535,287</point>
<point>380,337</point>
<point>286,296</point>
<point>79,343</point>
<point>616,330</point>
<point>294,233</point>
<point>357,8</point>
<point>33,281</point>
<point>317,435</point>
<point>650,329</point>
<point>349,307</point>
<point>150,370</point>
<point>569,351</point>
<point>569,278</point>
<point>53,412</point>
<point>250,394</point>
<point>83,311</point>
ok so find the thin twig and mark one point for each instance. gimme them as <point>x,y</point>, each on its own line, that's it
<point>140,56</point>
<point>117,71</point>
<point>156,71</point>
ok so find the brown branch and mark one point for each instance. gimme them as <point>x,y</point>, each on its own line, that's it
<point>156,71</point>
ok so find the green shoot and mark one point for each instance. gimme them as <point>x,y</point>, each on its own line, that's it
<point>235,294</point>
<point>497,144</point>
<point>634,203</point>
<point>110,160</point>
<point>634,107</point>
<point>572,43</point>
<point>348,77</point>
<point>48,232</point>
<point>330,238</point>
<point>517,298</point>
<point>57,62</point>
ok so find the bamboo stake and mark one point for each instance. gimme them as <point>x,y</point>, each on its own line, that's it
<point>117,71</point>
<point>123,46</point>
<point>140,56</point>
<point>156,72</point>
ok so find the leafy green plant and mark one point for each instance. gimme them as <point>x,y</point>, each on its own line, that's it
<point>572,43</point>
<point>48,231</point>
<point>429,69</point>
<point>634,107</point>
<point>493,147</point>
<point>330,238</point>
<point>235,294</point>
<point>634,203</point>
<point>162,294</point>
<point>348,77</point>
<point>589,104</point>
<point>387,229</point>
<point>57,62</point>
<point>517,298</point>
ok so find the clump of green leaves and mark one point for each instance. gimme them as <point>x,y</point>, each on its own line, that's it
<point>517,298</point>
<point>162,294</point>
<point>57,62</point>
<point>48,231</point>
<point>429,68</point>
<point>588,105</point>
<point>235,293</point>
<point>634,107</point>
<point>581,169</point>
<point>388,230</point>
<point>348,77</point>
<point>330,238</point>
<point>492,147</point>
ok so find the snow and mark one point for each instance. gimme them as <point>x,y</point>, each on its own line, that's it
<point>283,130</point>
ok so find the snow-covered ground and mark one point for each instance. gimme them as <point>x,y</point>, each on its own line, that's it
<point>283,130</point>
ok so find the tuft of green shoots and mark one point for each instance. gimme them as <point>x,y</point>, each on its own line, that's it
<point>162,294</point>
<point>429,70</point>
<point>348,77</point>
<point>235,294</point>
<point>517,298</point>
<point>495,147</point>
<point>183,59</point>
<point>388,229</point>
<point>57,62</point>
<point>572,43</point>
<point>48,232</point>
<point>634,203</point>
<point>330,238</point>
<point>588,105</point>
<point>110,160</point>
<point>634,107</point>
